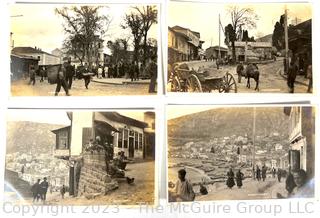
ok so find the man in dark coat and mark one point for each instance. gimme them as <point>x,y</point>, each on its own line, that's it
<point>86,75</point>
<point>61,80</point>
<point>70,71</point>
<point>239,178</point>
<point>32,73</point>
<point>258,173</point>
<point>230,179</point>
<point>279,174</point>
<point>44,185</point>
<point>152,69</point>
<point>35,189</point>
<point>264,172</point>
<point>292,74</point>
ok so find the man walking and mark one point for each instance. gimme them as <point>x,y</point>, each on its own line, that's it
<point>70,71</point>
<point>32,73</point>
<point>44,185</point>
<point>35,189</point>
<point>292,74</point>
<point>61,80</point>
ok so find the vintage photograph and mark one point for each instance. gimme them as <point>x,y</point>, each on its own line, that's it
<point>240,153</point>
<point>244,48</point>
<point>58,157</point>
<point>83,50</point>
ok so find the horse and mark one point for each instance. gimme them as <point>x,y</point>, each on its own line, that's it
<point>252,71</point>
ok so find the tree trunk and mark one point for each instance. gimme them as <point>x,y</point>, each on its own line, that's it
<point>233,52</point>
<point>144,48</point>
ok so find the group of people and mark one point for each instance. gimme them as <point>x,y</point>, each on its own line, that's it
<point>39,190</point>
<point>259,174</point>
<point>231,178</point>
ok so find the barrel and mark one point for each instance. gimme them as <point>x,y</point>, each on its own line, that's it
<point>53,71</point>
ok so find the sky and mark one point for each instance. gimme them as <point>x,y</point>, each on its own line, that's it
<point>204,17</point>
<point>57,116</point>
<point>174,111</point>
<point>39,25</point>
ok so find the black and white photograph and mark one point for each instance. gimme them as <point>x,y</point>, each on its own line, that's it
<point>58,157</point>
<point>239,47</point>
<point>240,153</point>
<point>83,50</point>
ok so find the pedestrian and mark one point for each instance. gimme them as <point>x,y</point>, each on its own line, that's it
<point>279,174</point>
<point>70,71</point>
<point>273,171</point>
<point>61,80</point>
<point>230,178</point>
<point>35,189</point>
<point>32,74</point>
<point>240,69</point>
<point>239,178</point>
<point>86,75</point>
<point>292,74</point>
<point>151,70</point>
<point>309,76</point>
<point>42,73</point>
<point>105,71</point>
<point>131,71</point>
<point>100,71</point>
<point>264,172</point>
<point>253,173</point>
<point>62,191</point>
<point>258,173</point>
<point>44,185</point>
<point>290,184</point>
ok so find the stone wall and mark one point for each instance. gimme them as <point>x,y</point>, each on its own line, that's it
<point>94,179</point>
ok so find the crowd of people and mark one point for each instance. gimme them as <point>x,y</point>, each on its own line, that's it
<point>67,73</point>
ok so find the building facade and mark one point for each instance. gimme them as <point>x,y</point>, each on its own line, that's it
<point>213,52</point>
<point>183,44</point>
<point>252,51</point>
<point>45,59</point>
<point>302,139</point>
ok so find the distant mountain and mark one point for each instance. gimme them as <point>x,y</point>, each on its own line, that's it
<point>26,137</point>
<point>229,121</point>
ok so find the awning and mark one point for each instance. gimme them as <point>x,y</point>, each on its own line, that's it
<point>104,126</point>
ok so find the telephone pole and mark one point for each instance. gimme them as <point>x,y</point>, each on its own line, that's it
<point>286,40</point>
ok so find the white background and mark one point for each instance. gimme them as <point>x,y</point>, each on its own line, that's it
<point>158,102</point>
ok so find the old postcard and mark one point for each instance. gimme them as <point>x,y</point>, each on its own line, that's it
<point>244,48</point>
<point>240,153</point>
<point>83,50</point>
<point>57,157</point>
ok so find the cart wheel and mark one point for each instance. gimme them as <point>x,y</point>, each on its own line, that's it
<point>229,84</point>
<point>193,84</point>
<point>175,85</point>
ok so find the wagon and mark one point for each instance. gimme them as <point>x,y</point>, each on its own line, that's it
<point>184,79</point>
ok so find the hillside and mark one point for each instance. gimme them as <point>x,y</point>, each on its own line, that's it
<point>229,121</point>
<point>24,136</point>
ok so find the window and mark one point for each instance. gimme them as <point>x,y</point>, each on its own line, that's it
<point>63,140</point>
<point>125,138</point>
<point>136,145</point>
<point>120,138</point>
<point>140,141</point>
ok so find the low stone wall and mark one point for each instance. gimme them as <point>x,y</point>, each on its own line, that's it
<point>94,179</point>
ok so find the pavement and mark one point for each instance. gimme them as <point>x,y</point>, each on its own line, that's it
<point>120,81</point>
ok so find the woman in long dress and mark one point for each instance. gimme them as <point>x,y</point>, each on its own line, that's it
<point>230,180</point>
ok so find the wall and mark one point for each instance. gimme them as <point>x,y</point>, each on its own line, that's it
<point>80,120</point>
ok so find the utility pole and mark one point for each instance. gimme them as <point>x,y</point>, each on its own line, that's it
<point>286,40</point>
<point>219,55</point>
<point>254,137</point>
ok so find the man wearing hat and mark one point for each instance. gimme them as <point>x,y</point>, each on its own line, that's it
<point>44,185</point>
<point>61,80</point>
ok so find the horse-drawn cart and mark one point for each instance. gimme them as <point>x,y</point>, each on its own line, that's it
<point>184,79</point>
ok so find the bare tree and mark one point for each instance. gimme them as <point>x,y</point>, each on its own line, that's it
<point>240,18</point>
<point>85,27</point>
<point>148,15</point>
<point>134,23</point>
